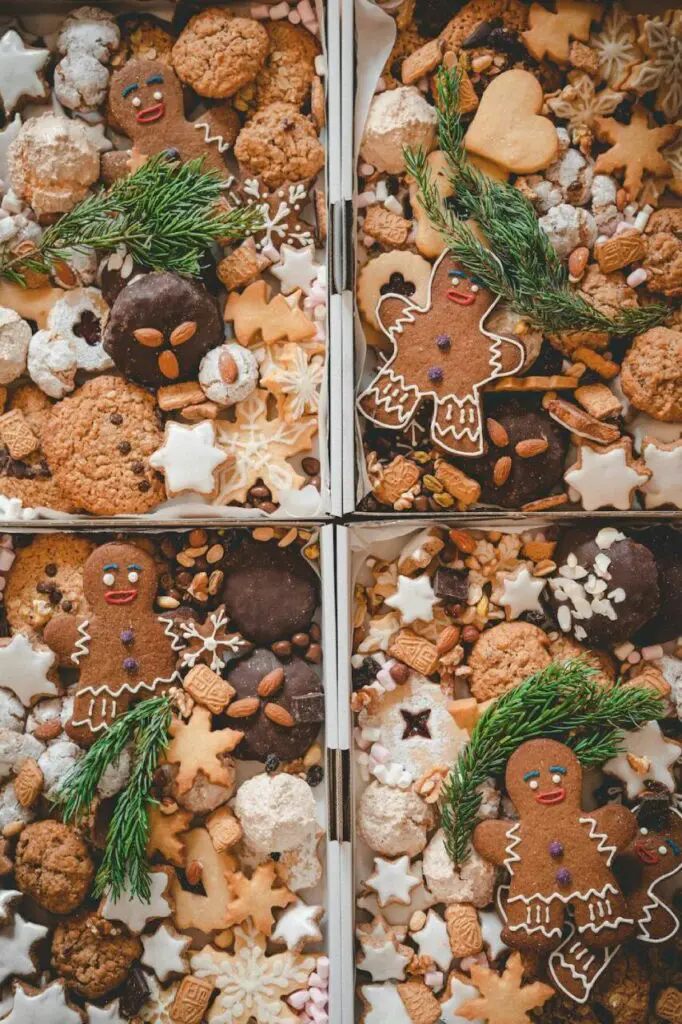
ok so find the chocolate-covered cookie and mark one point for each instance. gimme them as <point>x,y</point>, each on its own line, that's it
<point>524,453</point>
<point>270,593</point>
<point>290,706</point>
<point>666,546</point>
<point>160,327</point>
<point>605,586</point>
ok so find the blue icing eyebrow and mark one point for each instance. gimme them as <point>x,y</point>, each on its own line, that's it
<point>531,775</point>
<point>558,768</point>
<point>154,79</point>
<point>134,565</point>
<point>130,88</point>
<point>112,565</point>
<point>673,846</point>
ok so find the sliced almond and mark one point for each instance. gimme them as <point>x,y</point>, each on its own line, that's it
<point>243,708</point>
<point>497,434</point>
<point>149,337</point>
<point>279,715</point>
<point>530,448</point>
<point>183,332</point>
<point>271,683</point>
<point>501,470</point>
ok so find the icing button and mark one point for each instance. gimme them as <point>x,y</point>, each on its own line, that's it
<point>444,341</point>
<point>127,637</point>
<point>130,664</point>
<point>563,876</point>
<point>435,374</point>
<point>555,849</point>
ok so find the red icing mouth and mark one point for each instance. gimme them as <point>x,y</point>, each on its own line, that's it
<point>461,298</point>
<point>645,853</point>
<point>119,596</point>
<point>149,114</point>
<point>553,796</point>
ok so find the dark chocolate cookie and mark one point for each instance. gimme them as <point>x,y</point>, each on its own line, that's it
<point>270,593</point>
<point>605,587</point>
<point>666,546</point>
<point>160,327</point>
<point>298,700</point>
<point>510,423</point>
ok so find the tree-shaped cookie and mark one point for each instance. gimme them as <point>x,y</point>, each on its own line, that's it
<point>557,855</point>
<point>124,650</point>
<point>443,352</point>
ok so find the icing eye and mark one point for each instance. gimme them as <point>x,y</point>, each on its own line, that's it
<point>136,101</point>
<point>133,576</point>
<point>662,850</point>
<point>108,579</point>
<point>533,783</point>
<point>556,779</point>
<point>158,95</point>
<point>644,831</point>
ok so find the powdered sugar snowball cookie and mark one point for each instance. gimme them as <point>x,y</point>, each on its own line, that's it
<point>397,118</point>
<point>52,363</point>
<point>568,228</point>
<point>11,810</point>
<point>48,718</point>
<point>15,748</point>
<point>89,30</point>
<point>80,318</point>
<point>228,374</point>
<point>52,163</point>
<point>15,334</point>
<point>393,821</point>
<point>81,82</point>
<point>115,776</point>
<point>473,882</point>
<point>12,712</point>
<point>275,812</point>
<point>55,762</point>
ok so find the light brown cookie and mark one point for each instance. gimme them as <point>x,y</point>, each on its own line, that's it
<point>93,955</point>
<point>216,53</point>
<point>53,866</point>
<point>651,374</point>
<point>289,68</point>
<point>53,563</point>
<point>279,144</point>
<point>504,656</point>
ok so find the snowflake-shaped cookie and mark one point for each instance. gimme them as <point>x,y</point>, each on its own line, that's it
<point>211,643</point>
<point>579,103</point>
<point>661,40</point>
<point>616,45</point>
<point>251,984</point>
<point>297,378</point>
<point>280,211</point>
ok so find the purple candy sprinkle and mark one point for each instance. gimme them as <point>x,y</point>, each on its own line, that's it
<point>127,637</point>
<point>563,876</point>
<point>444,342</point>
<point>435,374</point>
<point>555,849</point>
<point>130,664</point>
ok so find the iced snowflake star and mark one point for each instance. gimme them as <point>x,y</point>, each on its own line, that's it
<point>251,985</point>
<point>579,103</point>
<point>260,447</point>
<point>616,45</point>
<point>661,39</point>
<point>210,643</point>
<point>280,213</point>
<point>297,379</point>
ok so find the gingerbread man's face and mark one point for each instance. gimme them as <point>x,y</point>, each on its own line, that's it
<point>543,774</point>
<point>119,575</point>
<point>143,93</point>
<point>659,848</point>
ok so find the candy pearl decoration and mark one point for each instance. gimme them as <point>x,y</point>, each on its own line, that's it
<point>555,849</point>
<point>563,876</point>
<point>127,637</point>
<point>435,374</point>
<point>130,664</point>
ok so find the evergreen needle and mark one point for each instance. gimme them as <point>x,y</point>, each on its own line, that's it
<point>532,279</point>
<point>564,702</point>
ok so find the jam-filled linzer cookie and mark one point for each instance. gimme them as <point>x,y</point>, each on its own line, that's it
<point>517,754</point>
<point>163,281</point>
<point>533,149</point>
<point>161,781</point>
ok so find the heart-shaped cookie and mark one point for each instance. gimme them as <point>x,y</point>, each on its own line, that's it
<point>508,129</point>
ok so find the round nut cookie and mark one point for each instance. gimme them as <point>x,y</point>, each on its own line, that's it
<point>394,821</point>
<point>99,440</point>
<point>46,577</point>
<point>565,648</point>
<point>504,656</point>
<point>279,144</point>
<point>651,375</point>
<point>217,53</point>
<point>289,67</point>
<point>53,866</point>
<point>93,955</point>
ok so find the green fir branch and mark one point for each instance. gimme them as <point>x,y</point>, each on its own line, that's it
<point>532,279</point>
<point>124,866</point>
<point>565,702</point>
<point>166,215</point>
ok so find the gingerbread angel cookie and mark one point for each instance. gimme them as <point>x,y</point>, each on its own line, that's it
<point>124,650</point>
<point>557,855</point>
<point>441,351</point>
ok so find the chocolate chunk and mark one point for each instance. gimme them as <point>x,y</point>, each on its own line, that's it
<point>135,993</point>
<point>309,707</point>
<point>451,584</point>
<point>481,33</point>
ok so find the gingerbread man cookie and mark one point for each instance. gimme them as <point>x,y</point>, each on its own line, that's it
<point>146,103</point>
<point>125,652</point>
<point>441,351</point>
<point>557,854</point>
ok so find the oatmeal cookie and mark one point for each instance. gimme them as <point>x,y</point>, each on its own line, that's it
<point>514,15</point>
<point>565,648</point>
<point>651,375</point>
<point>99,440</point>
<point>279,144</point>
<point>217,53</point>
<point>608,293</point>
<point>663,261</point>
<point>289,67</point>
<point>93,955</point>
<point>47,576</point>
<point>504,656</point>
<point>145,38</point>
<point>52,865</point>
<point>34,404</point>
<point>35,488</point>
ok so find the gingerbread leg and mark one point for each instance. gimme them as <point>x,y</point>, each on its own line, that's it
<point>93,714</point>
<point>388,402</point>
<point>603,920</point>
<point>457,425</point>
<point>574,968</point>
<point>534,924</point>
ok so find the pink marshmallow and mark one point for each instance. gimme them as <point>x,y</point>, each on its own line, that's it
<point>305,9</point>
<point>294,17</point>
<point>298,999</point>
<point>279,11</point>
<point>323,966</point>
<point>318,997</point>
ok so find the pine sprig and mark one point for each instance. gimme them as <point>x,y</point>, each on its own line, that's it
<point>531,279</point>
<point>564,702</point>
<point>124,865</point>
<point>166,215</point>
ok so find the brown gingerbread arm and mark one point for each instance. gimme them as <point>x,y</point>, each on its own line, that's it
<point>61,634</point>
<point>491,841</point>
<point>618,822</point>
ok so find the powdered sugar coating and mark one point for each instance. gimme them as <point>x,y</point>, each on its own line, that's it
<point>15,334</point>
<point>80,82</point>
<point>52,364</point>
<point>275,813</point>
<point>89,30</point>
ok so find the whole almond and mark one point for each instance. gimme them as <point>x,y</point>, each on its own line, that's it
<point>577,262</point>
<point>532,447</point>
<point>28,784</point>
<point>183,332</point>
<point>243,708</point>
<point>48,730</point>
<point>215,553</point>
<point>279,715</point>
<point>447,640</point>
<point>498,435</point>
<point>501,470</point>
<point>227,366</point>
<point>463,540</point>
<point>149,337</point>
<point>194,871</point>
<point>271,683</point>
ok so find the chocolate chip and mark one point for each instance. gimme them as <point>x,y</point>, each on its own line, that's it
<point>275,855</point>
<point>55,596</point>
<point>314,775</point>
<point>44,588</point>
<point>124,447</point>
<point>50,569</point>
<point>311,466</point>
<point>505,41</point>
<point>116,419</point>
<point>365,673</point>
<point>67,606</point>
<point>137,467</point>
<point>272,763</point>
<point>451,584</point>
<point>143,486</point>
<point>135,993</point>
